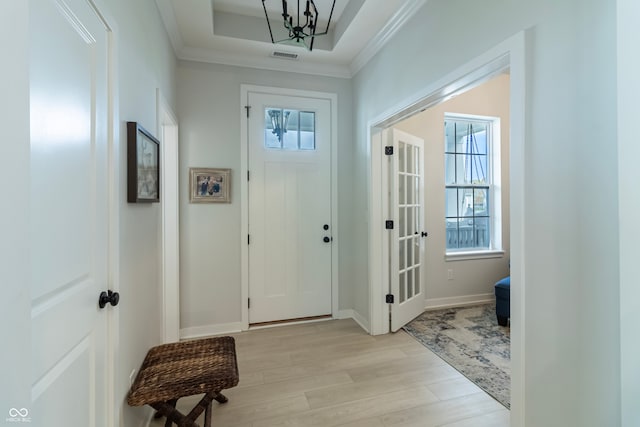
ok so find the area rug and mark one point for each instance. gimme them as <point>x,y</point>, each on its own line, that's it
<point>470,340</point>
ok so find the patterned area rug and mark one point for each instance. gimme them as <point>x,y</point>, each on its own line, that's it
<point>470,340</point>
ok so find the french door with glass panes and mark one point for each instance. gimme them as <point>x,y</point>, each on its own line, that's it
<point>406,247</point>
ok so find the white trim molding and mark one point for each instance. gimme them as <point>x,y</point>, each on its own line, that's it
<point>210,330</point>
<point>170,24</point>
<point>262,62</point>
<point>357,317</point>
<point>397,21</point>
<point>347,70</point>
<point>461,301</point>
<point>167,131</point>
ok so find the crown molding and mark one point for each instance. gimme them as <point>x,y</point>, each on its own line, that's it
<point>397,21</point>
<point>168,16</point>
<point>266,63</point>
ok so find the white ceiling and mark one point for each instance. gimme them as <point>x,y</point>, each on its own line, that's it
<point>235,32</point>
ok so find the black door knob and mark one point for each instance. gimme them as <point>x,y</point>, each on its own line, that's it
<point>325,227</point>
<point>326,239</point>
<point>109,297</point>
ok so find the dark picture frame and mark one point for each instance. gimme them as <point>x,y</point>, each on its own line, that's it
<point>143,165</point>
<point>209,185</point>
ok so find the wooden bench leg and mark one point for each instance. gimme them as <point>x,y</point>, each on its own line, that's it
<point>168,410</point>
<point>221,398</point>
<point>207,416</point>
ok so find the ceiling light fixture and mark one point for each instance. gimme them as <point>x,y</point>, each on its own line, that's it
<point>301,31</point>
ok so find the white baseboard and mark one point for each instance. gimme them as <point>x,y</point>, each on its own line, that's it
<point>210,330</point>
<point>357,317</point>
<point>435,303</point>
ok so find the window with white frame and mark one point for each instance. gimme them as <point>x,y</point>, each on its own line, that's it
<point>472,180</point>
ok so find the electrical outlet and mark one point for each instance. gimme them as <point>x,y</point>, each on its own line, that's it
<point>450,274</point>
<point>132,376</point>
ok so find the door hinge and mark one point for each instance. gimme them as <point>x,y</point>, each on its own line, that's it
<point>248,239</point>
<point>388,224</point>
<point>389,299</point>
<point>247,175</point>
<point>388,150</point>
<point>248,302</point>
<point>247,107</point>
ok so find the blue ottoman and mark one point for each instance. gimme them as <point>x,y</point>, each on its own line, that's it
<point>503,296</point>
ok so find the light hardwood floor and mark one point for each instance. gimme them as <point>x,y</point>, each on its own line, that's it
<point>333,373</point>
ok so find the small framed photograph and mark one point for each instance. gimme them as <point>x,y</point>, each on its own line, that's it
<point>208,185</point>
<point>143,165</point>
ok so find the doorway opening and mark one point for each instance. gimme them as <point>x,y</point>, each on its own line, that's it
<point>168,132</point>
<point>508,57</point>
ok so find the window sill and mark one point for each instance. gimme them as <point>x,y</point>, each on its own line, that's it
<point>463,256</point>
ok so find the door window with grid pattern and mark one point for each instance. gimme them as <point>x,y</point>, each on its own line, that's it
<point>469,195</point>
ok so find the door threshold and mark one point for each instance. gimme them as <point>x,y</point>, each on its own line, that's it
<point>285,322</point>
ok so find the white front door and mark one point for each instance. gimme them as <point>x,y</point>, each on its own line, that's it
<point>407,210</point>
<point>290,234</point>
<point>69,212</point>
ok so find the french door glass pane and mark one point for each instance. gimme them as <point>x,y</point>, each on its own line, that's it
<point>409,190</point>
<point>410,221</point>
<point>410,160</point>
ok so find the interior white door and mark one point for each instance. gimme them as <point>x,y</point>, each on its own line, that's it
<point>69,212</point>
<point>289,207</point>
<point>406,244</point>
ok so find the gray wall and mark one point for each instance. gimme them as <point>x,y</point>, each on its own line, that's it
<point>572,343</point>
<point>210,110</point>
<point>145,62</point>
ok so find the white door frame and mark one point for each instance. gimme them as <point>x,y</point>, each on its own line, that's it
<point>170,204</point>
<point>115,145</point>
<point>244,187</point>
<point>509,55</point>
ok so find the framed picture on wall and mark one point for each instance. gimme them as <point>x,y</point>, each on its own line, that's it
<point>143,165</point>
<point>209,185</point>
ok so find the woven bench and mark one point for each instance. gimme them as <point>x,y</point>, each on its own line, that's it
<point>172,371</point>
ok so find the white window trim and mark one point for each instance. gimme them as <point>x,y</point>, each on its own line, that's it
<point>467,255</point>
<point>495,190</point>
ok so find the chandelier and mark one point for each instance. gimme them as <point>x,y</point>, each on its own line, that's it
<point>301,26</point>
<point>279,122</point>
